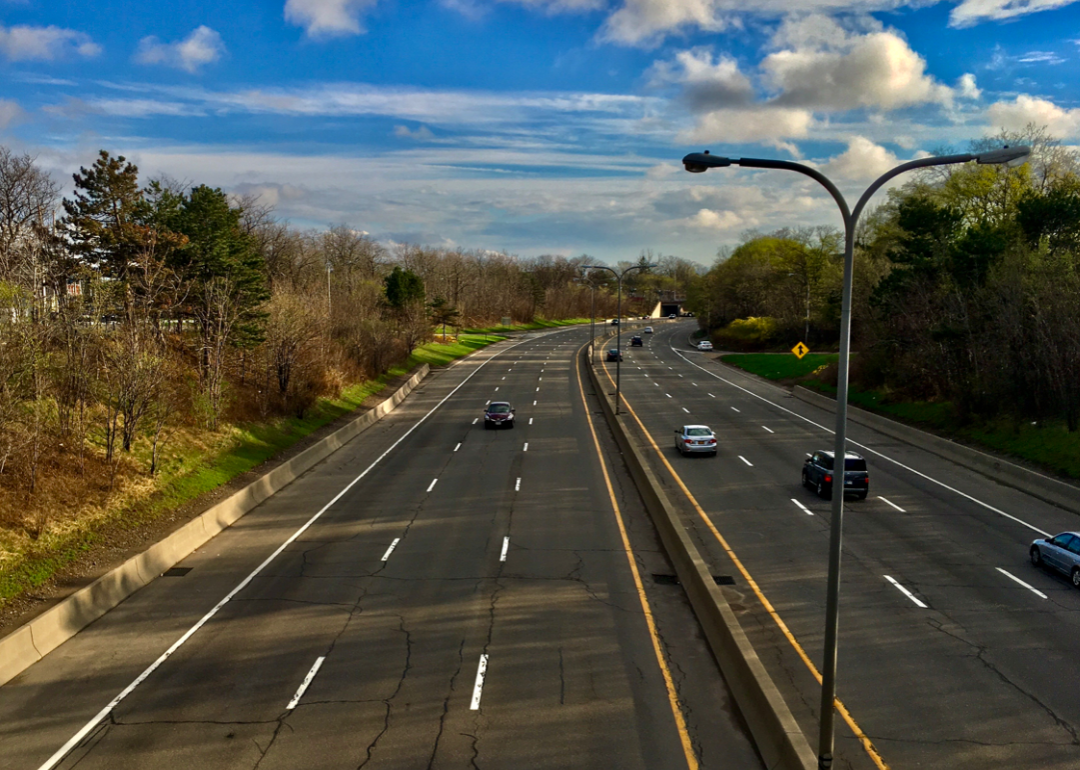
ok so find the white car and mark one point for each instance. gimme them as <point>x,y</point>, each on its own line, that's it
<point>647,330</point>
<point>695,439</point>
<point>704,345</point>
<point>672,317</point>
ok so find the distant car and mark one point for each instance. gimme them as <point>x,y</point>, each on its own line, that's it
<point>695,439</point>
<point>499,414</point>
<point>647,330</point>
<point>817,474</point>
<point>614,321</point>
<point>636,342</point>
<point>614,355</point>
<point>689,315</point>
<point>1061,552</point>
<point>704,345</point>
<point>672,316</point>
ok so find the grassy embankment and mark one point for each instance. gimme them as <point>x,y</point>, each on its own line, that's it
<point>539,324</point>
<point>192,463</point>
<point>1049,445</point>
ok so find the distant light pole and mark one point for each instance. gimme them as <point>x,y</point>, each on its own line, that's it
<point>329,308</point>
<point>618,327</point>
<point>592,317</point>
<point>699,162</point>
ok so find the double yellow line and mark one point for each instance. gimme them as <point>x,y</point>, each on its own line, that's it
<point>867,745</point>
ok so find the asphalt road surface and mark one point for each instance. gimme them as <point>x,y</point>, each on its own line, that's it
<point>954,651</point>
<point>433,595</point>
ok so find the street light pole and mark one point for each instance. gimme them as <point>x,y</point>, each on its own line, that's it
<point>618,327</point>
<point>699,162</point>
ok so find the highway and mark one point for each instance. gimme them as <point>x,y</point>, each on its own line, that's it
<point>433,595</point>
<point>954,651</point>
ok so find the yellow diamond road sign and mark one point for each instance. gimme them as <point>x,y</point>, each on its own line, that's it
<point>800,350</point>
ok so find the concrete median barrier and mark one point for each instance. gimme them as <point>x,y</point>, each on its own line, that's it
<point>34,640</point>
<point>1045,488</point>
<point>777,735</point>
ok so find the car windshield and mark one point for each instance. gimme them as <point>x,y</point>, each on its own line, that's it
<point>854,464</point>
<point>499,409</point>
<point>698,432</point>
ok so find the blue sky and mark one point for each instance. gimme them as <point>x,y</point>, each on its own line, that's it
<point>530,126</point>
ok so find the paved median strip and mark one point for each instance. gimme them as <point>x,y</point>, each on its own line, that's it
<point>906,592</point>
<point>304,685</point>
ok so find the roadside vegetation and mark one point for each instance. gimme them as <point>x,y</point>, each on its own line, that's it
<point>965,304</point>
<point>159,339</point>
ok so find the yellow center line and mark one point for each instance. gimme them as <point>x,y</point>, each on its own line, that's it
<point>867,745</point>
<point>673,698</point>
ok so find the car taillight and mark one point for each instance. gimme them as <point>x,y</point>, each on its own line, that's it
<point>828,479</point>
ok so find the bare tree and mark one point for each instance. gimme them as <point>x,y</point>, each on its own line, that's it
<point>27,197</point>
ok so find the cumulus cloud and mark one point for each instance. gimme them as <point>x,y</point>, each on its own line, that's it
<point>749,125</point>
<point>645,22</point>
<point>971,12</point>
<point>827,67</point>
<point>966,88</point>
<point>862,161</point>
<point>706,84</point>
<point>328,18</point>
<point>26,43</point>
<point>203,46</point>
<point>707,219</point>
<point>1024,110</point>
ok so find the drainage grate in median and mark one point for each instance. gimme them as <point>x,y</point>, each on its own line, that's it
<point>176,572</point>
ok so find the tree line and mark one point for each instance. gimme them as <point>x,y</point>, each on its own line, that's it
<point>967,287</point>
<point>135,308</point>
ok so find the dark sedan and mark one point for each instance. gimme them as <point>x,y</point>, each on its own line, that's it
<point>614,355</point>
<point>818,474</point>
<point>636,342</point>
<point>499,414</point>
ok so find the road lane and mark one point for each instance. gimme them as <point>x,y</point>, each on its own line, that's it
<point>461,545</point>
<point>966,682</point>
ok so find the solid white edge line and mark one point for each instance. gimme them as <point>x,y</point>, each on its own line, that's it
<point>481,672</point>
<point>304,685</point>
<point>906,592</point>
<point>390,550</point>
<point>506,548</point>
<point>746,461</point>
<point>431,486</point>
<point>82,733</point>
<point>942,484</point>
<point>457,447</point>
<point>889,502</point>
<point>1033,590</point>
<point>804,508</point>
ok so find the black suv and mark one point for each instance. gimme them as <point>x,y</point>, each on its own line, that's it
<point>636,342</point>
<point>614,355</point>
<point>817,473</point>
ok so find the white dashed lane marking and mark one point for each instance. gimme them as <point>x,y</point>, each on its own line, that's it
<point>307,681</point>
<point>803,507</point>
<point>390,550</point>
<point>905,592</point>
<point>746,461</point>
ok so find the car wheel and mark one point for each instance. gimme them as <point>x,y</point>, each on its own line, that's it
<point>1036,556</point>
<point>1076,577</point>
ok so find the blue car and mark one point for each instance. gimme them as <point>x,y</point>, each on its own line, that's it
<point>1061,552</point>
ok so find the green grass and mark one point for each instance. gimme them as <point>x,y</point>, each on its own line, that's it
<point>190,471</point>
<point>779,366</point>
<point>537,324</point>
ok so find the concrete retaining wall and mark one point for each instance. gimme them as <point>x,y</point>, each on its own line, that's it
<point>777,735</point>
<point>1050,490</point>
<point>36,639</point>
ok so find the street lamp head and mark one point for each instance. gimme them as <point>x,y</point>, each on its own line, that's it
<point>1010,155</point>
<point>700,162</point>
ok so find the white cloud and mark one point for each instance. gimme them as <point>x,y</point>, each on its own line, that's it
<point>862,161</point>
<point>966,88</point>
<point>749,125</point>
<point>707,219</point>
<point>971,12</point>
<point>1024,110</point>
<point>423,133</point>
<point>826,67</point>
<point>203,46</point>
<point>328,18</point>
<point>645,22</point>
<point>25,43</point>
<point>552,7</point>
<point>9,112</point>
<point>706,85</point>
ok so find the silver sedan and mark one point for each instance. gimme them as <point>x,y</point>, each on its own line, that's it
<point>1061,552</point>
<point>693,439</point>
